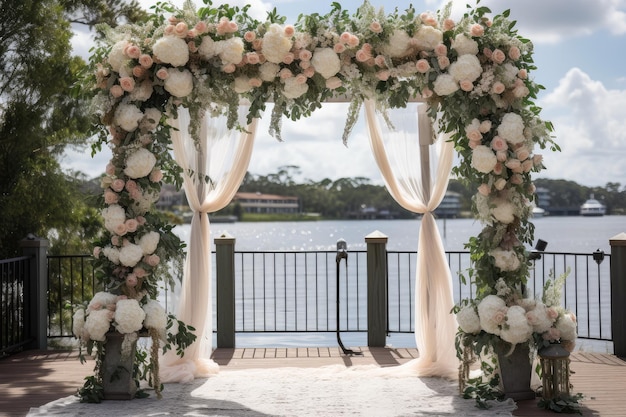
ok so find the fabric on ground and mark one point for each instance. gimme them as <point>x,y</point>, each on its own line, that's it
<point>327,391</point>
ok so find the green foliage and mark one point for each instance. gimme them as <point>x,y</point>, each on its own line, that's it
<point>564,404</point>
<point>92,391</point>
<point>182,338</point>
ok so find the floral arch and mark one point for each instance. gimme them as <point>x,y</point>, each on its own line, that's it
<point>472,74</point>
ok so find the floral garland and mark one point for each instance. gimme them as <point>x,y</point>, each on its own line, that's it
<point>474,73</point>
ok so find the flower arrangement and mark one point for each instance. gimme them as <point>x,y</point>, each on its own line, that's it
<point>473,73</point>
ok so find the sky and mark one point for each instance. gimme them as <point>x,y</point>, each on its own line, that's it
<point>579,50</point>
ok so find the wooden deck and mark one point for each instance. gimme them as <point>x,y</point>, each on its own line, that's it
<point>33,378</point>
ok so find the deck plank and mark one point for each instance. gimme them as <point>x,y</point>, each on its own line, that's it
<point>33,378</point>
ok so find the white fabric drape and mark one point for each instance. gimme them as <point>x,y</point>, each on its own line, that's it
<point>409,179</point>
<point>213,169</point>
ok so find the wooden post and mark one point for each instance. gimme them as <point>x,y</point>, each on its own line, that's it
<point>36,292</point>
<point>225,287</point>
<point>376,289</point>
<point>618,294</point>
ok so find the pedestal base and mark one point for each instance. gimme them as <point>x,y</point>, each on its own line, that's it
<point>117,370</point>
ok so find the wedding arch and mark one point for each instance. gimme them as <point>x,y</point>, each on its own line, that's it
<point>196,81</point>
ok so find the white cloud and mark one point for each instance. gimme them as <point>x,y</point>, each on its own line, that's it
<point>588,121</point>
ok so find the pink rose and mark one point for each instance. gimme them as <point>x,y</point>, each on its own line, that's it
<point>229,68</point>
<point>131,280</point>
<point>498,56</point>
<point>289,31</point>
<point>466,85</point>
<point>201,27</point>
<point>96,252</point>
<point>132,51</point>
<point>192,33</point>
<point>362,55</point>
<point>232,27</point>
<point>552,334</point>
<point>116,91</point>
<point>169,29</point>
<point>498,88</point>
<point>422,66</point>
<point>448,24</point>
<point>514,53</point>
<point>443,61</point>
<point>288,58</point>
<point>474,135</point>
<point>305,55</point>
<point>301,79</point>
<point>484,189</point>
<point>141,220</point>
<point>309,72</point>
<point>139,71</point>
<point>487,53</point>
<point>257,44</point>
<point>115,240</point>
<point>500,184</point>
<point>498,143</point>
<point>376,27</point>
<point>110,169</point>
<point>383,75</point>
<point>152,260</point>
<point>285,73</point>
<point>522,74</point>
<point>127,83</point>
<point>162,74</point>
<point>146,61</point>
<point>485,126</point>
<point>110,197</point>
<point>333,83</point>
<point>131,185</point>
<point>441,50</point>
<point>354,41</point>
<point>120,229</point>
<point>139,272</point>
<point>552,313</point>
<point>252,58</point>
<point>477,30</point>
<point>339,48</point>
<point>427,92</point>
<point>522,153</point>
<point>305,64</point>
<point>181,29</point>
<point>131,225</point>
<point>380,61</point>
<point>514,165</point>
<point>345,37</point>
<point>192,46</point>
<point>498,168</point>
<point>499,317</point>
<point>516,179</point>
<point>249,36</point>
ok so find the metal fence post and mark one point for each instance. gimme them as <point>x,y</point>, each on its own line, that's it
<point>618,293</point>
<point>225,269</point>
<point>376,289</point>
<point>37,291</point>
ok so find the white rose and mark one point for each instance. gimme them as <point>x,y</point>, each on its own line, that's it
<point>171,50</point>
<point>268,71</point>
<point>326,62</point>
<point>129,316</point>
<point>483,159</point>
<point>117,58</point>
<point>149,242</point>
<point>464,45</point>
<point>398,44</point>
<point>293,89</point>
<point>230,50</point>
<point>512,128</point>
<point>506,260</point>
<point>179,83</point>
<point>113,216</point>
<point>275,44</point>
<point>127,116</point>
<point>140,163</point>
<point>130,255</point>
<point>445,84</point>
<point>208,48</point>
<point>241,84</point>
<point>466,67</point>
<point>427,37</point>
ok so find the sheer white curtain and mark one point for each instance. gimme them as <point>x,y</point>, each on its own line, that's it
<point>213,169</point>
<point>416,174</point>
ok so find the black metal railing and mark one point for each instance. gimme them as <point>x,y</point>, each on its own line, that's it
<point>296,291</point>
<point>14,290</point>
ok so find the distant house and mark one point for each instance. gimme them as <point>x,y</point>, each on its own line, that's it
<point>543,198</point>
<point>450,205</point>
<point>267,203</point>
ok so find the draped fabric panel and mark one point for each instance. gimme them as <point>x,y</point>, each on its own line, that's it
<point>213,169</point>
<point>419,185</point>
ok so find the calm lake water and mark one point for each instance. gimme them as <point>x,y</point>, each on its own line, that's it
<point>564,234</point>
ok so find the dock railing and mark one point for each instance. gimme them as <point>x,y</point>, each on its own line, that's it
<point>295,291</point>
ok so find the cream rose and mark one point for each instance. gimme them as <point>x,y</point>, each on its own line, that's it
<point>397,45</point>
<point>130,255</point>
<point>464,45</point>
<point>179,83</point>
<point>466,68</point>
<point>445,84</point>
<point>427,37</point>
<point>326,62</point>
<point>149,242</point>
<point>294,89</point>
<point>140,163</point>
<point>512,128</point>
<point>113,216</point>
<point>117,57</point>
<point>275,44</point>
<point>483,159</point>
<point>129,316</point>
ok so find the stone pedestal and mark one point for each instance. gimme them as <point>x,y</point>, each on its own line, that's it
<point>117,370</point>
<point>515,373</point>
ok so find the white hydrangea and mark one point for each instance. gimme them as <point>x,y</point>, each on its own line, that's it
<point>241,84</point>
<point>483,159</point>
<point>149,242</point>
<point>398,44</point>
<point>275,44</point>
<point>140,163</point>
<point>117,58</point>
<point>538,318</point>
<point>144,203</point>
<point>511,128</point>
<point>326,62</point>
<point>268,71</point>
<point>113,216</point>
<point>98,323</point>
<point>505,260</point>
<point>179,83</point>
<point>127,116</point>
<point>130,255</point>
<point>208,48</point>
<point>112,254</point>
<point>171,50</point>
<point>151,119</point>
<point>142,91</point>
<point>517,330</point>
<point>294,89</point>
<point>503,211</point>
<point>464,45</point>
<point>508,73</point>
<point>445,84</point>
<point>129,316</point>
<point>427,37</point>
<point>466,68</point>
<point>468,320</point>
<point>78,324</point>
<point>156,317</point>
<point>100,300</point>
<point>230,50</point>
<point>491,311</point>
